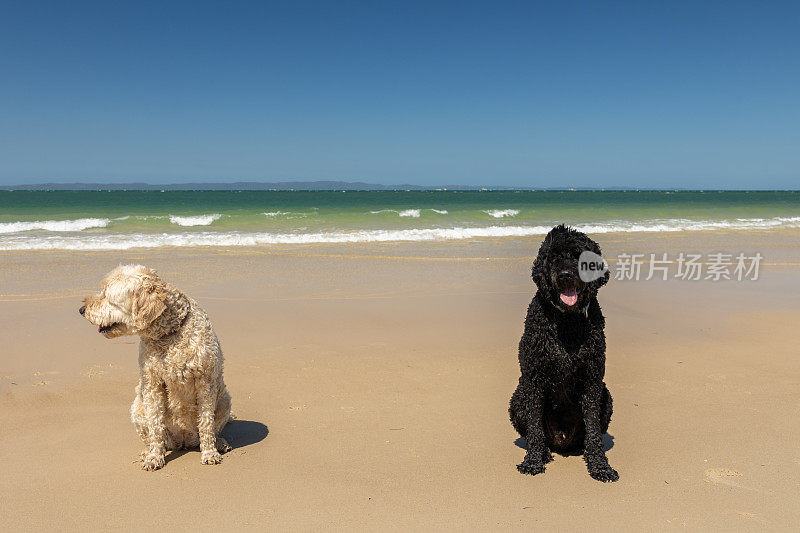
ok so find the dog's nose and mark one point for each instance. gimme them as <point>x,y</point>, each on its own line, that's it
<point>82,309</point>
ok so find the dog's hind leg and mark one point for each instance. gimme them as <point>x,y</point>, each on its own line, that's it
<point>223,446</point>
<point>515,412</point>
<point>606,409</point>
<point>222,415</point>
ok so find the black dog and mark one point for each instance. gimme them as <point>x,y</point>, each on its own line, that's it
<point>561,402</point>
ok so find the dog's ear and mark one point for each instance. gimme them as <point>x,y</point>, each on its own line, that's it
<point>594,247</point>
<point>148,301</point>
<point>538,272</point>
<point>603,280</point>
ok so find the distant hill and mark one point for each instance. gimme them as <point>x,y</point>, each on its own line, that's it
<point>276,186</point>
<point>243,186</point>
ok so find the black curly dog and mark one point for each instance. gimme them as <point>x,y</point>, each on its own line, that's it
<point>561,402</point>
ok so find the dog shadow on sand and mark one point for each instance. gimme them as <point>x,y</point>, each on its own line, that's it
<point>608,443</point>
<point>238,433</point>
<point>241,433</point>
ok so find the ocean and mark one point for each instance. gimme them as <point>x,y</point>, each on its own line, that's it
<point>119,220</point>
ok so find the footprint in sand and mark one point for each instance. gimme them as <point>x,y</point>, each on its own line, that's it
<point>95,370</point>
<point>48,373</point>
<point>727,477</point>
<point>724,476</point>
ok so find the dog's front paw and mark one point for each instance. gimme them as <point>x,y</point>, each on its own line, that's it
<point>531,467</point>
<point>153,461</point>
<point>211,457</point>
<point>604,474</point>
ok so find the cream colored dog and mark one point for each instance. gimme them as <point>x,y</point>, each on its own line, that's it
<point>181,400</point>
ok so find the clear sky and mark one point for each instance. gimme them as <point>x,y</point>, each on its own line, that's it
<point>548,94</point>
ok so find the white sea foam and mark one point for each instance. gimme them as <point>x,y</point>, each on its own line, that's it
<point>679,224</point>
<point>199,220</point>
<point>285,214</point>
<point>500,213</point>
<point>210,238</point>
<point>413,213</point>
<point>79,224</point>
<point>144,240</point>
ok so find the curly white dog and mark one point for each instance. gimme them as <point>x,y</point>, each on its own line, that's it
<point>181,400</point>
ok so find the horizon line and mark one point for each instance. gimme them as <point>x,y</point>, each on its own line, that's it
<point>333,185</point>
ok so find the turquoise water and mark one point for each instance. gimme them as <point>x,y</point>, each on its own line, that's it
<point>129,219</point>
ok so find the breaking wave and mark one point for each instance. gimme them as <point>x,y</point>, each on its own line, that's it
<point>413,213</point>
<point>500,213</point>
<point>285,214</point>
<point>199,220</point>
<point>79,224</point>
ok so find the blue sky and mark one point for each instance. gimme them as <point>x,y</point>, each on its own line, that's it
<point>649,94</point>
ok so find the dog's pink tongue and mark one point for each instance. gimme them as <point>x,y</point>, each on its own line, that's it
<point>569,296</point>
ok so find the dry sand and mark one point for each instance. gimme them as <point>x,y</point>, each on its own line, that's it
<point>372,382</point>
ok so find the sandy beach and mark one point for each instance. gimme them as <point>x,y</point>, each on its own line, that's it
<point>371,385</point>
